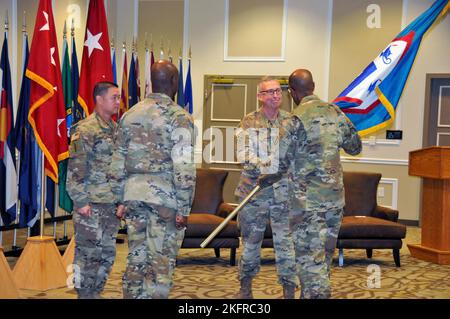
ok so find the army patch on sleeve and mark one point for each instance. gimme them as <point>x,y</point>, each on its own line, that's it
<point>75,143</point>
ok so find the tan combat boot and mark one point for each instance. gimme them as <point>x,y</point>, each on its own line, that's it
<point>288,291</point>
<point>246,288</point>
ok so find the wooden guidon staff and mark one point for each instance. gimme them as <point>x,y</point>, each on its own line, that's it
<point>263,182</point>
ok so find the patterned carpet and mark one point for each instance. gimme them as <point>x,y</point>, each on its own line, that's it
<point>200,275</point>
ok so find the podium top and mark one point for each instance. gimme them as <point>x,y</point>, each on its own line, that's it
<point>431,162</point>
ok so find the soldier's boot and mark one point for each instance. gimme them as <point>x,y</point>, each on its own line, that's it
<point>246,288</point>
<point>87,294</point>
<point>288,291</point>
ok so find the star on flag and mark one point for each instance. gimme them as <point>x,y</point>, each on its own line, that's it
<point>52,51</point>
<point>92,42</point>
<point>59,121</point>
<point>46,26</point>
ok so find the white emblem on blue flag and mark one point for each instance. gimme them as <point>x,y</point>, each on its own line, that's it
<point>360,96</point>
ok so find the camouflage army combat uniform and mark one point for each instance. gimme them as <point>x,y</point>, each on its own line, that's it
<point>264,147</point>
<point>319,191</point>
<point>87,183</point>
<point>153,174</point>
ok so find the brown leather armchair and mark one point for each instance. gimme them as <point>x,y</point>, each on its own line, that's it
<point>366,225</point>
<point>208,211</point>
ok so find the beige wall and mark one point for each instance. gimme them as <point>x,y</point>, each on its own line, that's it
<point>308,44</point>
<point>408,196</point>
<point>153,21</point>
<point>207,39</point>
<point>160,19</point>
<point>249,35</point>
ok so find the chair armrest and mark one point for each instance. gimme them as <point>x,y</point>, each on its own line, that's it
<point>386,213</point>
<point>224,210</point>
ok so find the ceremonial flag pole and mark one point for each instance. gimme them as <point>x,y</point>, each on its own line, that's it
<point>29,173</point>
<point>20,148</point>
<point>169,53</point>
<point>8,288</point>
<point>8,172</point>
<point>124,88</point>
<point>113,61</point>
<point>180,92</point>
<point>77,113</point>
<point>77,110</point>
<point>132,79</point>
<point>40,265</point>
<point>161,49</point>
<point>136,65</point>
<point>8,175</point>
<point>188,99</point>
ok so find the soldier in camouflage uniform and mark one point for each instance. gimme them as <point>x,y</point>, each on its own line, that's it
<point>94,219</point>
<point>266,139</point>
<point>318,202</point>
<point>153,178</point>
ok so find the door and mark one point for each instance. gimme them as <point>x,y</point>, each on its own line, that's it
<point>437,111</point>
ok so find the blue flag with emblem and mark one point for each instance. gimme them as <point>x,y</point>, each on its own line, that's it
<point>132,83</point>
<point>113,63</point>
<point>8,175</point>
<point>77,109</point>
<point>29,193</point>
<point>188,91</point>
<point>371,99</point>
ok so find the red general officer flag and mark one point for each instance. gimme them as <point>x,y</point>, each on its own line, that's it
<point>96,63</point>
<point>47,113</point>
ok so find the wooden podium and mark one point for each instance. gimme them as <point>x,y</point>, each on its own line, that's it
<point>433,165</point>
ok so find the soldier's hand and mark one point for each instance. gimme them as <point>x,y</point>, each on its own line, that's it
<point>120,212</point>
<point>85,211</point>
<point>267,180</point>
<point>180,222</point>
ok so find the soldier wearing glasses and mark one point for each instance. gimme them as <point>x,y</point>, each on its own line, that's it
<point>266,139</point>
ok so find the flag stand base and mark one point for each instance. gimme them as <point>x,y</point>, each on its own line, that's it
<point>8,288</point>
<point>69,253</point>
<point>40,265</point>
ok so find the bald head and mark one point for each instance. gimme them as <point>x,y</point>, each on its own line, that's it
<point>301,84</point>
<point>164,78</point>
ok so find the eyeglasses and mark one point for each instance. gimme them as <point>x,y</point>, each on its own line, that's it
<point>115,98</point>
<point>271,91</point>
